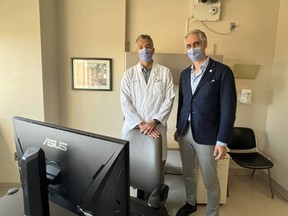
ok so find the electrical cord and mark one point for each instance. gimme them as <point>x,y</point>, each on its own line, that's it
<point>227,33</point>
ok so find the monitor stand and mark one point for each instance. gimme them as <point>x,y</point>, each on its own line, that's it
<point>35,191</point>
<point>34,182</point>
<point>14,205</point>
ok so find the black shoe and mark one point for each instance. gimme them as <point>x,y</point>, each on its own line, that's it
<point>186,210</point>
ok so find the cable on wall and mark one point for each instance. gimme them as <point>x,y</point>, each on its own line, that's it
<point>219,33</point>
<point>187,29</point>
<point>187,24</point>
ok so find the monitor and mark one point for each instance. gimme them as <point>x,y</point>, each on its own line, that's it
<point>86,173</point>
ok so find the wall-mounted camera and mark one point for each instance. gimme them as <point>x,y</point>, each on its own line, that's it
<point>206,10</point>
<point>213,10</point>
<point>207,1</point>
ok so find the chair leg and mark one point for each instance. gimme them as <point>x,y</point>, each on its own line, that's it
<point>253,173</point>
<point>271,189</point>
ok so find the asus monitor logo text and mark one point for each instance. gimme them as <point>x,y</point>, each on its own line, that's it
<point>56,144</point>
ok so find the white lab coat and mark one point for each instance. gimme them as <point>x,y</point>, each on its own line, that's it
<point>143,102</point>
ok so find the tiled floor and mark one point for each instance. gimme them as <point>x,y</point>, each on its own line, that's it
<point>2,192</point>
<point>247,198</point>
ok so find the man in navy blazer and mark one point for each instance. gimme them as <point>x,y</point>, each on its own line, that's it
<point>205,118</point>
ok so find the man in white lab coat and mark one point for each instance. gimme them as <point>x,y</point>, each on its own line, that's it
<point>147,94</point>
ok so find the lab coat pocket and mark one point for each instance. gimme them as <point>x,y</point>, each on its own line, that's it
<point>158,87</point>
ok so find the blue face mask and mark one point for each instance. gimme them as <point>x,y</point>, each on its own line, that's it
<point>195,54</point>
<point>145,54</point>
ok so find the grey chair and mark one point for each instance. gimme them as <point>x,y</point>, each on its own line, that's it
<point>145,161</point>
<point>244,139</point>
<point>146,166</point>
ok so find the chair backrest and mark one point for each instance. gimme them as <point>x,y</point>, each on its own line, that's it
<point>145,160</point>
<point>242,138</point>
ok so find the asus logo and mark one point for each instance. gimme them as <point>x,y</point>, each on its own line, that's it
<point>55,144</point>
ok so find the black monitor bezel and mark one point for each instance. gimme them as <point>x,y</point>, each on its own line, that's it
<point>124,143</point>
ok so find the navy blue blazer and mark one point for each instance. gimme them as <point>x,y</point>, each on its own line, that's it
<point>212,106</point>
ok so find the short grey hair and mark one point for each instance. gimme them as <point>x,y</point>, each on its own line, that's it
<point>198,32</point>
<point>145,36</point>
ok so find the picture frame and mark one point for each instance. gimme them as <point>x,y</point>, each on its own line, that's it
<point>92,74</point>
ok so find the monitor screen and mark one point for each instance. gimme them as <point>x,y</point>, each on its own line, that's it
<point>87,173</point>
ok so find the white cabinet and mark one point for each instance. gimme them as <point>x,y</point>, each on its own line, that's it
<point>222,169</point>
<point>174,166</point>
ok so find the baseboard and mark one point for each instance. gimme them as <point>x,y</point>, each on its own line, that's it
<point>8,185</point>
<point>280,189</point>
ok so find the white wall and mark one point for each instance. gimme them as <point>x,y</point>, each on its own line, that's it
<point>89,28</point>
<point>49,61</point>
<point>277,136</point>
<point>20,71</point>
<point>30,72</point>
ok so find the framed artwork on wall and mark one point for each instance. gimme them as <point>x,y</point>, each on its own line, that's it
<point>92,74</point>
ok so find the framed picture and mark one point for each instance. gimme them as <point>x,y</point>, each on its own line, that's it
<point>92,74</point>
